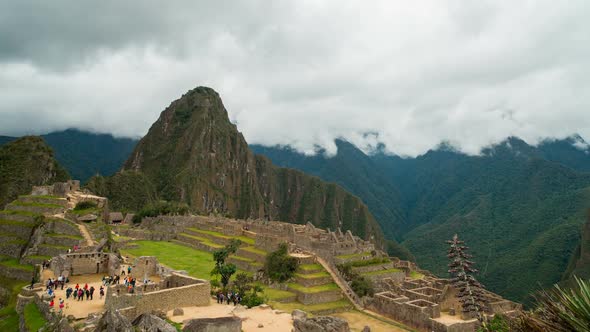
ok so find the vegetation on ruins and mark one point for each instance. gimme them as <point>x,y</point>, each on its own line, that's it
<point>223,269</point>
<point>279,266</point>
<point>469,291</point>
<point>85,205</point>
<point>244,285</point>
<point>360,284</point>
<point>34,320</point>
<point>161,208</point>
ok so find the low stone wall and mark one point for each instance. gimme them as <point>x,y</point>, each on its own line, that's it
<point>311,282</point>
<point>196,292</point>
<point>251,255</point>
<point>35,209</point>
<point>63,227</point>
<point>17,217</point>
<point>22,231</point>
<point>195,243</point>
<point>85,263</point>
<point>467,326</point>
<point>373,268</point>
<point>16,273</point>
<point>11,249</point>
<point>315,298</point>
<point>417,313</point>
<point>244,265</point>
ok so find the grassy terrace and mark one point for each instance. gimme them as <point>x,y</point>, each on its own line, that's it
<point>8,317</point>
<point>197,263</point>
<point>39,257</point>
<point>21,213</point>
<point>66,236</point>
<point>45,205</point>
<point>311,267</point>
<point>203,240</point>
<point>16,223</point>
<point>13,263</point>
<point>41,196</point>
<point>313,275</point>
<point>34,320</point>
<point>363,254</point>
<point>376,273</point>
<point>317,289</point>
<point>254,250</point>
<point>416,275</point>
<point>244,239</point>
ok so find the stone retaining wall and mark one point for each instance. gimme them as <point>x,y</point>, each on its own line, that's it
<point>373,268</point>
<point>311,282</point>
<point>320,297</point>
<point>16,273</point>
<point>197,292</point>
<point>11,249</point>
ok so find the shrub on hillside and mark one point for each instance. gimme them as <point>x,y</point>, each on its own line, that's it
<point>161,208</point>
<point>362,286</point>
<point>244,285</point>
<point>279,266</point>
<point>85,205</point>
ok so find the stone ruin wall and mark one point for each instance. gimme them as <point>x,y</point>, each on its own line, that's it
<point>60,189</point>
<point>416,313</point>
<point>172,292</point>
<point>85,263</point>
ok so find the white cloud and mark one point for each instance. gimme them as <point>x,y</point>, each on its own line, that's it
<point>304,72</point>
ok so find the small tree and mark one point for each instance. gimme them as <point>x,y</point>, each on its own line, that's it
<point>244,285</point>
<point>279,266</point>
<point>470,291</point>
<point>225,271</point>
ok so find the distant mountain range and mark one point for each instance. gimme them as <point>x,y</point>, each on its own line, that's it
<point>519,207</point>
<point>86,154</point>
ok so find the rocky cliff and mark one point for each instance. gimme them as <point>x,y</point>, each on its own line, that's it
<point>194,154</point>
<point>24,163</point>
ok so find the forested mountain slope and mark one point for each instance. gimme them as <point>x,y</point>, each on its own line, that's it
<point>519,207</point>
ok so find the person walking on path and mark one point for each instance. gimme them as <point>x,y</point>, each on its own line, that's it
<point>128,269</point>
<point>32,283</point>
<point>87,294</point>
<point>68,292</point>
<point>61,305</point>
<point>91,292</point>
<point>101,292</point>
<point>80,295</point>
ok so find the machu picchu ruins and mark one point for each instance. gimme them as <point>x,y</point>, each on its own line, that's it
<point>47,234</point>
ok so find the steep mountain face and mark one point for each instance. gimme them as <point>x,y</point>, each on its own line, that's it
<point>194,154</point>
<point>519,207</point>
<point>24,163</point>
<point>579,265</point>
<point>86,154</point>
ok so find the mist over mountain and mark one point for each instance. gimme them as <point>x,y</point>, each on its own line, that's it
<point>519,207</point>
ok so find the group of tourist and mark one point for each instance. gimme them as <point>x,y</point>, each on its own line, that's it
<point>78,292</point>
<point>230,297</point>
<point>54,283</point>
<point>110,280</point>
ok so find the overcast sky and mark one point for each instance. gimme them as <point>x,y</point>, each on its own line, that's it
<point>409,74</point>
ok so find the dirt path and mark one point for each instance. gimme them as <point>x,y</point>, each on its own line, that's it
<point>86,235</point>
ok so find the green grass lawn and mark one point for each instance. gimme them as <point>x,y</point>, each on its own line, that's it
<point>313,275</point>
<point>45,205</point>
<point>203,240</point>
<point>17,223</point>
<point>416,275</point>
<point>196,262</point>
<point>255,250</point>
<point>316,289</point>
<point>34,320</point>
<point>244,239</point>
<point>310,267</point>
<point>67,236</point>
<point>13,263</point>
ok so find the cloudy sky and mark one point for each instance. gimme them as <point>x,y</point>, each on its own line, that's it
<point>409,74</point>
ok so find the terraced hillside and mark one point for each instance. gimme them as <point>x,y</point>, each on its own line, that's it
<point>31,231</point>
<point>312,290</point>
